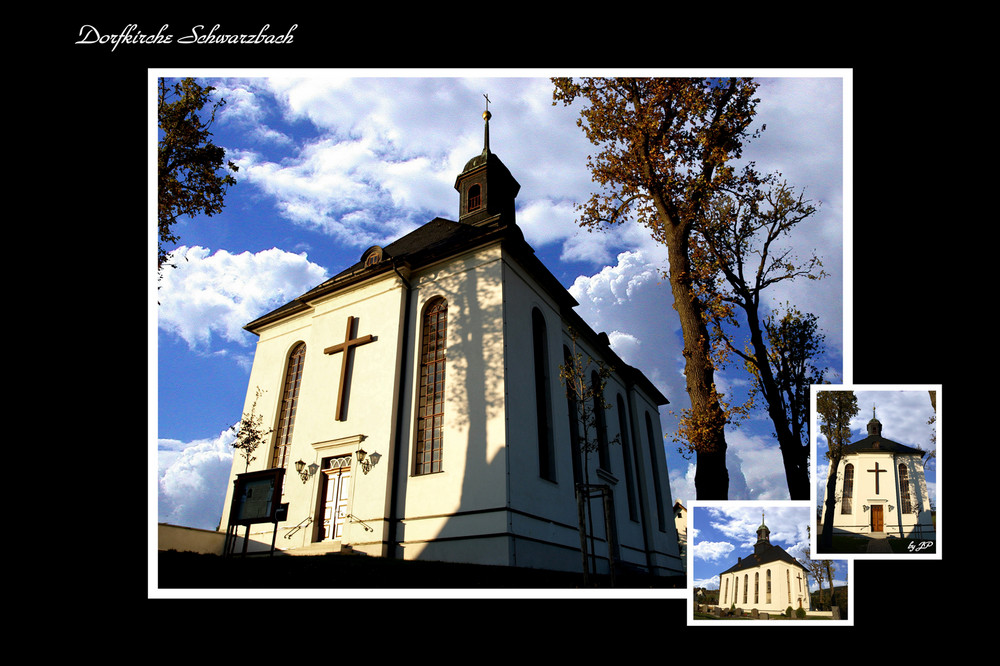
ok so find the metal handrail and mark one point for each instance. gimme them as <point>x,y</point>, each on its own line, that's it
<point>306,520</point>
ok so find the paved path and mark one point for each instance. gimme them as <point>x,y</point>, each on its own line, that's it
<point>878,545</point>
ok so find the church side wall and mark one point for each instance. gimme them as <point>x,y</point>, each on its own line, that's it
<point>544,509</point>
<point>654,485</point>
<point>747,589</point>
<point>459,513</point>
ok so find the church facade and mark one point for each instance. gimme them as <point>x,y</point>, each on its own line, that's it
<point>769,579</point>
<point>418,413</point>
<point>881,490</point>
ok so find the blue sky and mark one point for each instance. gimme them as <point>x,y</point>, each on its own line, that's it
<point>334,162</point>
<point>719,534</point>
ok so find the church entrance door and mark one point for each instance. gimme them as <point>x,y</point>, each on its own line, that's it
<point>877,518</point>
<point>336,484</point>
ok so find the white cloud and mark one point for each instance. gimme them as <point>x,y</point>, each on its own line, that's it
<point>758,459</point>
<point>903,414</point>
<point>191,480</point>
<point>633,300</point>
<point>682,488</point>
<point>625,345</point>
<point>787,525</point>
<point>216,295</point>
<point>712,551</point>
<point>711,583</point>
<point>392,146</point>
<point>546,221</point>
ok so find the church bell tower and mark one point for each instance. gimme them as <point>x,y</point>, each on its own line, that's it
<point>874,426</point>
<point>763,537</point>
<point>486,187</point>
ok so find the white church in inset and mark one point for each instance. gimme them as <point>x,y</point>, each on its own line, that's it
<point>881,490</point>
<point>768,579</point>
<point>417,410</point>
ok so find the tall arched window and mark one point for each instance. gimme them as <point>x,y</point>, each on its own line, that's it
<point>746,585</point>
<point>543,408</point>
<point>767,592</point>
<point>756,587</point>
<point>627,456</point>
<point>430,405</point>
<point>905,505</point>
<point>788,585</point>
<point>289,401</point>
<point>654,467</point>
<point>603,455</point>
<point>725,591</point>
<point>574,421</point>
<point>848,494</point>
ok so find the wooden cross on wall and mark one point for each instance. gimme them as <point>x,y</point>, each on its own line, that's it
<point>877,471</point>
<point>345,347</point>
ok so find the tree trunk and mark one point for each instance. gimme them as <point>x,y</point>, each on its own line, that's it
<point>793,453</point>
<point>708,431</point>
<point>826,536</point>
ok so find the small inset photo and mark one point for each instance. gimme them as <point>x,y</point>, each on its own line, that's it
<point>877,453</point>
<point>752,562</point>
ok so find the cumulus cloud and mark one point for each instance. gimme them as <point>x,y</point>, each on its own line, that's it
<point>711,551</point>
<point>787,524</point>
<point>615,285</point>
<point>216,294</point>
<point>191,480</point>
<point>632,300</point>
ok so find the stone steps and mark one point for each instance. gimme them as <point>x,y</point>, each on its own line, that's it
<point>324,548</point>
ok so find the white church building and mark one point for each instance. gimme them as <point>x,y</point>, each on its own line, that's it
<point>769,579</point>
<point>417,409</point>
<point>881,490</point>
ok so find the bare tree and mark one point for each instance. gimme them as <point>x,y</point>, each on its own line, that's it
<point>250,432</point>
<point>584,379</point>
<point>744,250</point>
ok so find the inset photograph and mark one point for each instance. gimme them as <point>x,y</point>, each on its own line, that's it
<point>877,465</point>
<point>753,562</point>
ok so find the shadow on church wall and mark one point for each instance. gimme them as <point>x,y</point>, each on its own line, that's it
<point>487,318</point>
<point>473,476</point>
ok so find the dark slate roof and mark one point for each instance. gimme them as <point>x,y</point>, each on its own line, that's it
<point>767,554</point>
<point>879,443</point>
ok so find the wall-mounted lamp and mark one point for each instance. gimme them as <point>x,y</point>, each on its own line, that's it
<point>305,472</point>
<point>367,461</point>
